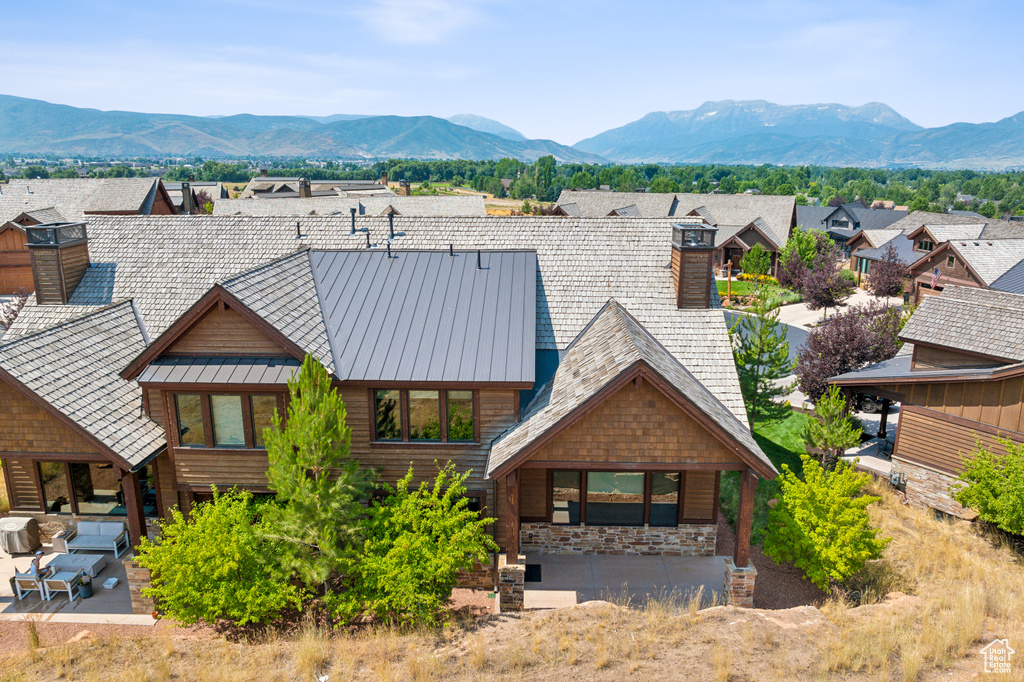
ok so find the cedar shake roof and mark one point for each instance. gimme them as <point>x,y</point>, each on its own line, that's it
<point>972,320</point>
<point>721,210</point>
<point>994,229</point>
<point>46,215</point>
<point>613,343</point>
<point>74,367</point>
<point>73,198</point>
<point>167,263</point>
<point>879,238</point>
<point>469,205</point>
<point>944,233</point>
<point>990,259</point>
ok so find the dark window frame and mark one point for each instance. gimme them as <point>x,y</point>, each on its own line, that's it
<point>443,409</point>
<point>73,492</point>
<point>171,401</point>
<point>926,245</point>
<point>680,500</point>
<point>950,261</point>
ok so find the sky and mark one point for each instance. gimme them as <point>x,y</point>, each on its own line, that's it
<point>556,69</point>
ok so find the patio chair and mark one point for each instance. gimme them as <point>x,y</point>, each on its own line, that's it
<point>64,581</point>
<point>25,583</point>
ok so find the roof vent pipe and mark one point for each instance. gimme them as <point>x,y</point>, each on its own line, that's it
<point>353,230</point>
<point>451,251</point>
<point>298,230</point>
<point>391,225</point>
<point>367,239</point>
<point>389,250</point>
<point>479,261</point>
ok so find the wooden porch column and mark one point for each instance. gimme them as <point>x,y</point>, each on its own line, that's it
<point>132,488</point>
<point>745,518</point>
<point>883,417</point>
<point>512,516</point>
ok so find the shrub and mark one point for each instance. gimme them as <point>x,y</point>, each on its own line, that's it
<point>760,279</point>
<point>994,485</point>
<point>416,542</point>
<point>216,564</point>
<point>831,430</point>
<point>821,524</point>
<point>756,261</point>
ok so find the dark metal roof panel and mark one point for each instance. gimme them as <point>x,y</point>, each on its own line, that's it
<point>429,316</point>
<point>219,370</point>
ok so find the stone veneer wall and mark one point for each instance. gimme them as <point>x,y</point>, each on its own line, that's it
<point>739,584</point>
<point>927,487</point>
<point>480,577</point>
<point>685,540</point>
<point>511,583</point>
<point>138,578</point>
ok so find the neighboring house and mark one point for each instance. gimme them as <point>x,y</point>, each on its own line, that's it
<point>742,220</point>
<point>968,263</point>
<point>856,216</point>
<point>25,203</point>
<point>587,384</point>
<point>264,187</point>
<point>959,381</point>
<point>184,194</point>
<point>462,205</point>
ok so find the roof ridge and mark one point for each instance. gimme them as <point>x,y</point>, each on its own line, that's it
<point>71,320</point>
<point>261,266</point>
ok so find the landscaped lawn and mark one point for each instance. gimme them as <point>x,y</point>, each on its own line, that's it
<point>747,289</point>
<point>783,442</point>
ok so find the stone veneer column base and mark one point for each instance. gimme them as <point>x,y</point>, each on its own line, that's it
<point>927,487</point>
<point>138,578</point>
<point>739,584</point>
<point>690,539</point>
<point>479,577</point>
<point>511,577</point>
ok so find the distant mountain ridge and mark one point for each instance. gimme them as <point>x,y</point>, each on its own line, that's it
<point>35,126</point>
<point>486,125</point>
<point>756,132</point>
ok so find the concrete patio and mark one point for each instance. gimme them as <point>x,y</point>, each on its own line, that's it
<point>104,607</point>
<point>572,579</point>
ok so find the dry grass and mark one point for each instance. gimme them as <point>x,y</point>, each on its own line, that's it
<point>962,590</point>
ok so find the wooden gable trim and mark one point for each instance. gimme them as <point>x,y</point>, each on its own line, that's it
<point>924,228</point>
<point>162,191</point>
<point>940,250</point>
<point>638,370</point>
<point>738,243</point>
<point>931,376</point>
<point>755,228</point>
<point>973,354</point>
<point>217,296</point>
<point>38,400</point>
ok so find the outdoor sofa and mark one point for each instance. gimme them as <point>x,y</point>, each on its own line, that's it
<point>106,536</point>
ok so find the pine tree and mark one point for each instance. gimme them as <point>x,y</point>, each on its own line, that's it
<point>319,486</point>
<point>761,352</point>
<point>830,429</point>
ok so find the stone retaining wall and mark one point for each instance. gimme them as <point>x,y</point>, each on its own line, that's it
<point>480,577</point>
<point>511,579</point>
<point>684,540</point>
<point>926,487</point>
<point>739,584</point>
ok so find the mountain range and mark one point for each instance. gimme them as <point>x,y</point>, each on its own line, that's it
<point>30,126</point>
<point>725,132</point>
<point>757,132</point>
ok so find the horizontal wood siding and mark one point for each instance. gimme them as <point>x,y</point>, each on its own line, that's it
<point>26,427</point>
<point>533,493</point>
<point>47,276</point>
<point>926,357</point>
<point>193,466</point>
<point>636,425</point>
<point>156,406</point>
<point>20,475</point>
<point>224,332</point>
<point>937,443</point>
<point>699,500</point>
<point>997,403</point>
<point>694,279</point>
<point>74,261</point>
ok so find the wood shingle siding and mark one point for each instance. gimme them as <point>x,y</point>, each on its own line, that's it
<point>28,428</point>
<point>224,332</point>
<point>637,425</point>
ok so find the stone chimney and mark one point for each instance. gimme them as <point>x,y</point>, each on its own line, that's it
<point>384,178</point>
<point>59,253</point>
<point>263,172</point>
<point>305,192</point>
<point>404,188</point>
<point>693,245</point>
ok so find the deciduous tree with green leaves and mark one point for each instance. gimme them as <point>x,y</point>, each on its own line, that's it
<point>417,540</point>
<point>820,524</point>
<point>319,486</point>
<point>831,429</point>
<point>218,564</point>
<point>761,352</point>
<point>994,485</point>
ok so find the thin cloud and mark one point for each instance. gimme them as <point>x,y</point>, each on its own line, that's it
<point>418,22</point>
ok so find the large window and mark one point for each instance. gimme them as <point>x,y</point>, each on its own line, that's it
<point>631,498</point>
<point>615,498</point>
<point>424,416</point>
<point>95,489</point>
<point>926,245</point>
<point>230,421</point>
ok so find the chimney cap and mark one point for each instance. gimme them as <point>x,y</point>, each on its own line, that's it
<point>693,235</point>
<point>56,234</point>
